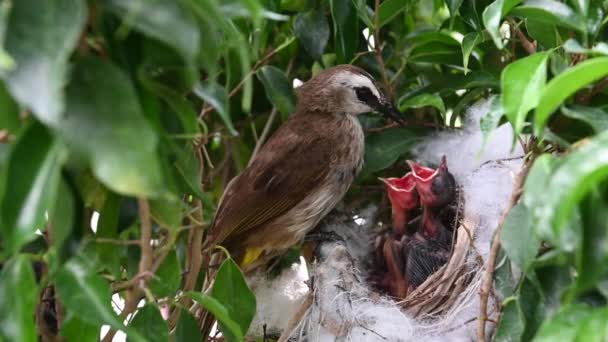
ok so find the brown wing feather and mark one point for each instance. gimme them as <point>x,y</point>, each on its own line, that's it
<point>292,162</point>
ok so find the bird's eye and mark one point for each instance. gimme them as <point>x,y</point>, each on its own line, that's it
<point>365,95</point>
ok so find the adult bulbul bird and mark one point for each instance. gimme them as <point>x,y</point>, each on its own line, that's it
<point>303,170</point>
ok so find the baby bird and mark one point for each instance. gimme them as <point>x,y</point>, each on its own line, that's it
<point>429,248</point>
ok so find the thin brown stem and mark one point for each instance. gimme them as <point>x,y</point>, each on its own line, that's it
<point>378,49</point>
<point>529,46</point>
<point>208,109</point>
<point>488,277</point>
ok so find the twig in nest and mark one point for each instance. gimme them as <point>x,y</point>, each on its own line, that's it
<point>488,277</point>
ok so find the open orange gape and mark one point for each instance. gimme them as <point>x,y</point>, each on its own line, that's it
<point>419,242</point>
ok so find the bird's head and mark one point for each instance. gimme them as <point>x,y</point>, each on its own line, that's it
<point>402,192</point>
<point>346,89</point>
<point>436,187</point>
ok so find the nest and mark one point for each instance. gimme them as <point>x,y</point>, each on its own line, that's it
<point>442,289</point>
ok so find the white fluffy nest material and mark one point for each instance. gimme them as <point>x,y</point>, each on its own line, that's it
<point>340,305</point>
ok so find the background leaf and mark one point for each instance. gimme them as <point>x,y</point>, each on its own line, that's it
<point>150,324</point>
<point>18,291</point>
<point>40,37</point>
<point>31,187</point>
<point>104,124</point>
<point>312,30</point>
<point>278,89</point>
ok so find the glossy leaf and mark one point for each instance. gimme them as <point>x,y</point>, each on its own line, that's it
<point>62,217</point>
<point>32,180</point>
<point>592,254</point>
<point>492,16</point>
<point>187,328</point>
<point>231,290</point>
<point>18,296</point>
<point>40,37</point>
<point>346,29</point>
<point>571,180</point>
<point>550,12</point>
<point>522,83</point>
<point>230,328</point>
<point>518,238</point>
<point>423,100</point>
<point>469,42</point>
<point>167,21</point>
<point>312,30</point>
<point>81,290</point>
<point>593,116</point>
<point>150,324</point>
<point>216,97</point>
<point>565,84</point>
<point>382,149</point>
<point>545,34</point>
<point>104,124</point>
<point>278,89</point>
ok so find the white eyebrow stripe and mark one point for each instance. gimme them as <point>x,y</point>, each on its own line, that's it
<point>356,80</point>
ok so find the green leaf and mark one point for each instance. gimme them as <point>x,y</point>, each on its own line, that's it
<point>312,30</point>
<point>518,238</point>
<point>512,322</point>
<point>423,100</point>
<point>389,9</point>
<point>566,84</point>
<point>469,42</point>
<point>62,217</point>
<point>550,12</point>
<point>453,6</point>
<point>572,323</point>
<point>217,97</point>
<point>9,120</point>
<point>18,297</point>
<point>167,21</point>
<point>167,278</point>
<point>231,290</point>
<point>150,324</point>
<point>545,34</point>
<point>346,29</point>
<point>187,328</point>
<point>40,37</point>
<point>278,89</point>
<point>492,16</point>
<point>104,125</point>
<point>81,290</point>
<point>176,102</point>
<point>592,254</point>
<point>522,83</point>
<point>168,213</point>
<point>32,179</point>
<point>230,328</point>
<point>382,149</point>
<point>107,227</point>
<point>75,329</point>
<point>593,116</point>
<point>572,179</point>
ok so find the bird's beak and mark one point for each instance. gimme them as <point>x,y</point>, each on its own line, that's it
<point>402,191</point>
<point>387,109</point>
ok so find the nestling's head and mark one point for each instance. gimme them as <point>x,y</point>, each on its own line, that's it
<point>402,192</point>
<point>345,89</point>
<point>437,187</point>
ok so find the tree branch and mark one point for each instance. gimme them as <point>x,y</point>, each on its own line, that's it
<point>488,277</point>
<point>378,49</point>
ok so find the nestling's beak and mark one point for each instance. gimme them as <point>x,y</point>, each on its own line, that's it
<point>402,191</point>
<point>434,185</point>
<point>387,109</point>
